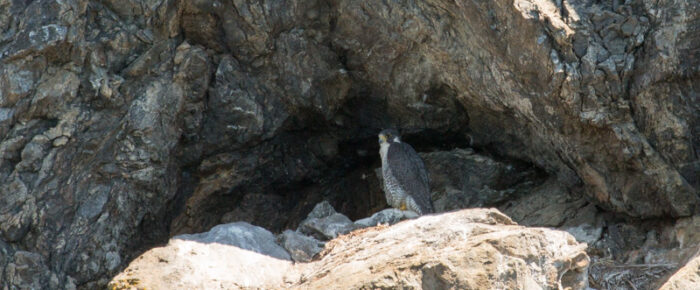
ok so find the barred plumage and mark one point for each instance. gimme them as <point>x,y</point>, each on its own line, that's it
<point>406,183</point>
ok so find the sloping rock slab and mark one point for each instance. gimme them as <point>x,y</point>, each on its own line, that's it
<point>186,264</point>
<point>229,256</point>
<point>687,277</point>
<point>242,235</point>
<point>468,249</point>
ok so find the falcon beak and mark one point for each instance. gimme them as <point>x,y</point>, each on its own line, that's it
<point>382,138</point>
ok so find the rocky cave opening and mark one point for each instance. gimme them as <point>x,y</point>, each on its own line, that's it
<point>123,124</point>
<point>274,179</point>
<point>315,159</point>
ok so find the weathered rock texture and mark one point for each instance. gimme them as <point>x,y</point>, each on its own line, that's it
<point>688,277</point>
<point>231,256</point>
<point>301,248</point>
<point>242,235</point>
<point>641,254</point>
<point>468,249</point>
<point>125,122</point>
<point>325,223</point>
<point>461,178</point>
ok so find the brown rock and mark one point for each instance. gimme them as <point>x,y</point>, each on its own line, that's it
<point>687,277</point>
<point>468,249</point>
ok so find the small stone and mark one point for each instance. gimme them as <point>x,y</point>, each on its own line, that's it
<point>321,210</point>
<point>325,223</point>
<point>328,227</point>
<point>60,141</point>
<point>586,233</point>
<point>242,235</point>
<point>629,27</point>
<point>302,248</point>
<point>388,216</point>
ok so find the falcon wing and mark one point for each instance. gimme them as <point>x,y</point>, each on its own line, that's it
<point>409,170</point>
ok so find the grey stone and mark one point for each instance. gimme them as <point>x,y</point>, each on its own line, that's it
<point>327,228</point>
<point>440,251</point>
<point>462,179</point>
<point>388,216</point>
<point>18,79</point>
<point>586,233</point>
<point>27,270</point>
<point>302,248</point>
<point>325,223</point>
<point>16,208</point>
<point>242,235</point>
<point>5,114</point>
<point>321,210</point>
<point>94,204</point>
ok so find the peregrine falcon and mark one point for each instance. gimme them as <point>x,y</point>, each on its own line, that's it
<point>405,177</point>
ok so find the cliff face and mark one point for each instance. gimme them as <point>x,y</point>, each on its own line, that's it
<point>123,123</point>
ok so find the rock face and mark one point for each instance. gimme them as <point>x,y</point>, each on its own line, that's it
<point>468,249</point>
<point>124,123</point>
<point>688,277</point>
<point>461,178</point>
<point>559,100</point>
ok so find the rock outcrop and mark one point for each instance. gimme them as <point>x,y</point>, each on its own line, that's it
<point>468,249</point>
<point>461,178</point>
<point>301,248</point>
<point>231,256</point>
<point>124,123</point>
<point>241,235</point>
<point>559,100</point>
<point>687,277</point>
<point>325,223</point>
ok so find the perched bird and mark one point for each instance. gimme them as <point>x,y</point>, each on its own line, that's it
<point>405,177</point>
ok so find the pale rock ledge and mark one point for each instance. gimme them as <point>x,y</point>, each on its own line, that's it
<point>466,249</point>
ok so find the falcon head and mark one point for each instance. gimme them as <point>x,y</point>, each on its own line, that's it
<point>389,136</point>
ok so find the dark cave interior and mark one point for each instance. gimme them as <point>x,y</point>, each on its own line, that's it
<point>338,161</point>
